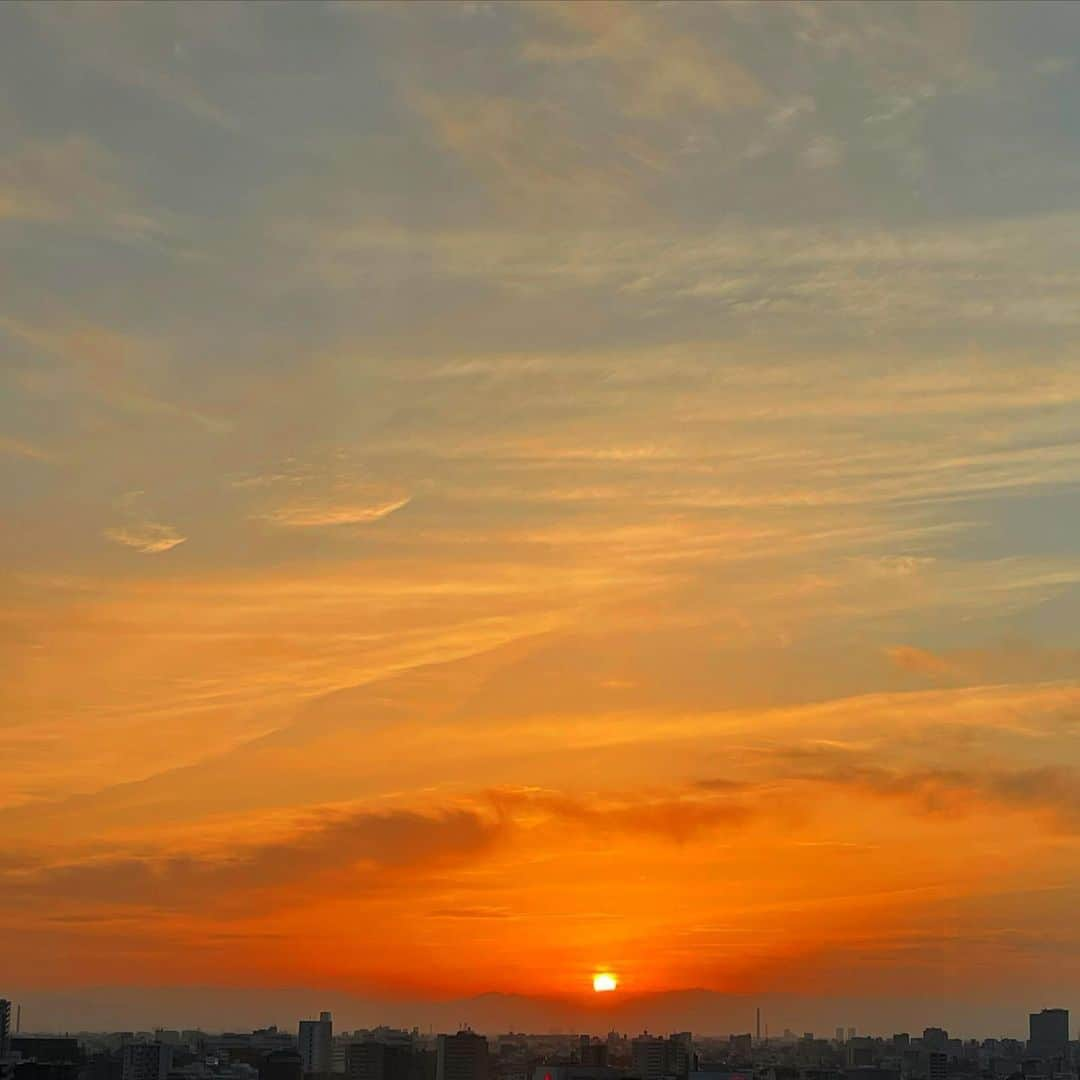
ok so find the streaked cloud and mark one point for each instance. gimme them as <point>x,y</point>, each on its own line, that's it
<point>666,412</point>
<point>309,516</point>
<point>146,537</point>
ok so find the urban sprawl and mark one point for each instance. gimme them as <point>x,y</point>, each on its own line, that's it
<point>314,1052</point>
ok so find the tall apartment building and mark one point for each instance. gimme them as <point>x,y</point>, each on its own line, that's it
<point>316,1044</point>
<point>463,1056</point>
<point>680,1054</point>
<point>648,1057</point>
<point>1048,1032</point>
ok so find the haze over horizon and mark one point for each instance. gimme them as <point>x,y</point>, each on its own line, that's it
<point>703,1011</point>
<point>498,493</point>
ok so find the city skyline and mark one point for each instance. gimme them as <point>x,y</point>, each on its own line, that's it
<point>321,1050</point>
<point>759,1019</point>
<point>317,1042</point>
<point>511,500</point>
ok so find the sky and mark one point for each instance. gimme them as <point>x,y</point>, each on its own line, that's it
<point>495,493</point>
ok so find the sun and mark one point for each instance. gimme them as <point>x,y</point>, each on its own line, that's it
<point>604,981</point>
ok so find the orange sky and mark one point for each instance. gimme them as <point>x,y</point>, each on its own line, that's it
<point>559,489</point>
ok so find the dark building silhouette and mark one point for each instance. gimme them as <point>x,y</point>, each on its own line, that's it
<point>680,1054</point>
<point>146,1061</point>
<point>5,1027</point>
<point>103,1066</point>
<point>648,1057</point>
<point>935,1038</point>
<point>47,1048</point>
<point>424,1064</point>
<point>371,1060</point>
<point>281,1065</point>
<point>653,1057</point>
<point>463,1056</point>
<point>1049,1033</point>
<point>742,1046</point>
<point>591,1053</point>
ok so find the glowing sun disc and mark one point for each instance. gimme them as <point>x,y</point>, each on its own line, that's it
<point>604,982</point>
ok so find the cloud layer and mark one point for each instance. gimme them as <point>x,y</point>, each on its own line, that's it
<point>610,473</point>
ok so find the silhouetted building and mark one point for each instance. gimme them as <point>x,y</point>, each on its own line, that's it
<point>146,1061</point>
<point>316,1043</point>
<point>590,1053</point>
<point>680,1054</point>
<point>859,1052</point>
<point>742,1045</point>
<point>371,1060</point>
<point>648,1057</point>
<point>1049,1033</point>
<point>5,1027</point>
<point>425,1064</point>
<point>934,1038</point>
<point>463,1056</point>
<point>937,1065</point>
<point>281,1065</point>
<point>47,1048</point>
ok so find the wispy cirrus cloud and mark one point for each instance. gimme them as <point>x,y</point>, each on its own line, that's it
<point>146,537</point>
<point>740,416</point>
<point>140,532</point>
<point>315,515</point>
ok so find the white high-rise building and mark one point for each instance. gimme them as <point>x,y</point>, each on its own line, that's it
<point>317,1044</point>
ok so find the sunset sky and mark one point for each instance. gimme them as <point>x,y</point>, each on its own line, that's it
<point>497,493</point>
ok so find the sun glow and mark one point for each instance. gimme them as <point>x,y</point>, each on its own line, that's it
<point>604,982</point>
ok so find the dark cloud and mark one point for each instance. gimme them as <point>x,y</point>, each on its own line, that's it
<point>368,850</point>
<point>1050,791</point>
<point>385,843</point>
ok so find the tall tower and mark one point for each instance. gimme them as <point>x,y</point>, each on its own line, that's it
<point>5,1027</point>
<point>316,1044</point>
<point>759,1024</point>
